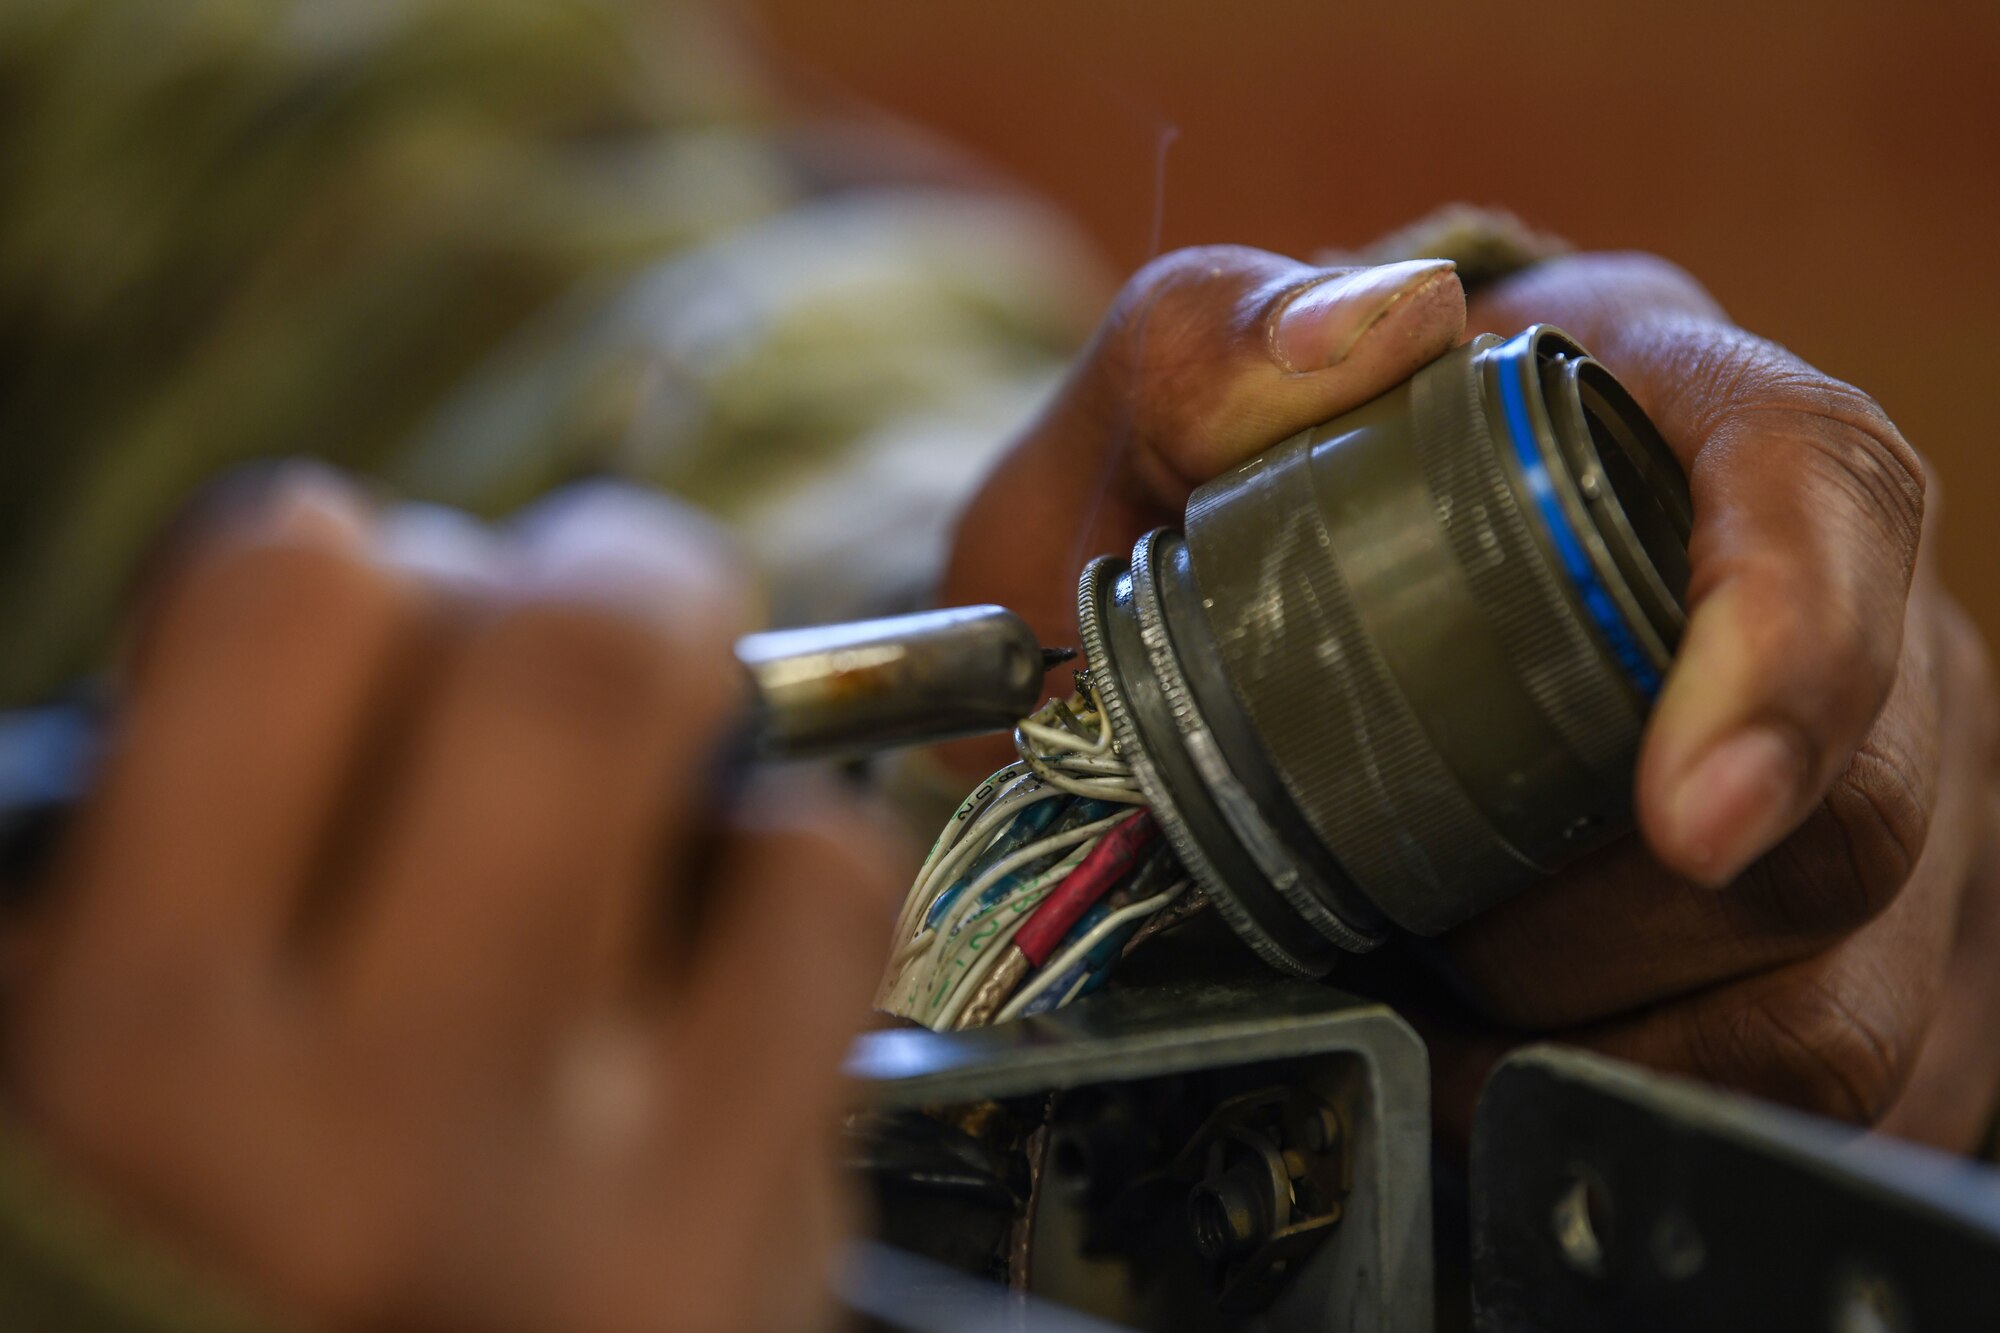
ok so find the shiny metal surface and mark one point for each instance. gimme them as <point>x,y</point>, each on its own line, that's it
<point>1606,1196</point>
<point>1374,1274</point>
<point>850,688</point>
<point>829,691</point>
<point>1397,667</point>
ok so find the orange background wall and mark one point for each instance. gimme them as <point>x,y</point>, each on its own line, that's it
<point>1832,171</point>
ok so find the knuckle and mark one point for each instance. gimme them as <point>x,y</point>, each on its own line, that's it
<point>1636,271</point>
<point>1171,321</point>
<point>1607,294</point>
<point>1805,611</point>
<point>586,666</point>
<point>1883,819</point>
<point>1829,1046</point>
<point>266,587</point>
<point>1193,267</point>
<point>636,554</point>
<point>1863,449</point>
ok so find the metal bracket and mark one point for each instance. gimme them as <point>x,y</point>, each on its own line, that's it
<point>1373,1272</point>
<point>1604,1197</point>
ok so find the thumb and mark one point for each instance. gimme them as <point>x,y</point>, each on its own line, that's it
<point>1207,357</point>
<point>1212,355</point>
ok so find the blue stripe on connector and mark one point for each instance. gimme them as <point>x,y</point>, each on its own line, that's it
<point>1596,598</point>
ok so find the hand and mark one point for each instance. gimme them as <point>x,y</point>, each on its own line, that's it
<point>367,980</point>
<point>1829,701</point>
<point>1814,914</point>
<point>1207,357</point>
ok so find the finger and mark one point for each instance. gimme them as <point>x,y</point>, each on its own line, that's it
<point>1207,357</point>
<point>1836,1034</point>
<point>810,1217</point>
<point>1808,508</point>
<point>799,928</point>
<point>522,836</point>
<point>1620,930</point>
<point>1565,960</point>
<point>1463,1054</point>
<point>1953,1094</point>
<point>264,658</point>
<point>1211,355</point>
<point>1599,298</point>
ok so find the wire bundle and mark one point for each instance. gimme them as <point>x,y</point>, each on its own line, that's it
<point>1038,883</point>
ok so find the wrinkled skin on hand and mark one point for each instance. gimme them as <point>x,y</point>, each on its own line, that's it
<point>364,981</point>
<point>1811,911</point>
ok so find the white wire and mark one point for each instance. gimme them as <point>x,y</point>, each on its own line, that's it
<point>995,785</point>
<point>973,826</point>
<point>1057,967</point>
<point>1017,796</point>
<point>961,911</point>
<point>1058,739</point>
<point>975,975</point>
<point>924,939</point>
<point>981,829</point>
<point>1100,789</point>
<point>1069,762</point>
<point>951,1001</point>
<point>920,970</point>
<point>1054,761</point>
<point>1070,748</point>
<point>999,812</point>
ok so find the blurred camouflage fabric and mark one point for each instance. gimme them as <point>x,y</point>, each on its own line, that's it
<point>473,249</point>
<point>476,248</point>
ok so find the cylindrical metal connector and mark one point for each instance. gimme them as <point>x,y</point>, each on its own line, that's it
<point>827,691</point>
<point>1397,667</point>
<point>830,690</point>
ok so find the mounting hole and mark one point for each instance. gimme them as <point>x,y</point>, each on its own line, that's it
<point>1582,1219</point>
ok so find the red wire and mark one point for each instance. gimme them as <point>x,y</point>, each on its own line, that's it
<point>1109,861</point>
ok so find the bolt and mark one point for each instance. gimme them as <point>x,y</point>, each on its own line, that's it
<point>1226,1215</point>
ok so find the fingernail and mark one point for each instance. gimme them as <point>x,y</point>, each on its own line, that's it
<point>1319,325</point>
<point>1736,802</point>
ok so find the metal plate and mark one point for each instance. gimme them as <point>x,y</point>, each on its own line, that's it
<point>1374,1274</point>
<point>1605,1197</point>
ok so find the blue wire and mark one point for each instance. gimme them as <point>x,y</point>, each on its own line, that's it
<point>1031,823</point>
<point>1063,814</point>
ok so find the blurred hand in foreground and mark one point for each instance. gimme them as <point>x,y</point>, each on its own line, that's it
<point>1813,911</point>
<point>368,975</point>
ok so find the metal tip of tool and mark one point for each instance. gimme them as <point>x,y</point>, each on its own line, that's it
<point>1055,657</point>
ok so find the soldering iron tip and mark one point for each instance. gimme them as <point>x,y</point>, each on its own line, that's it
<point>1055,657</point>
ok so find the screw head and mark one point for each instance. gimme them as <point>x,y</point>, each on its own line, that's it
<point>1226,1216</point>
